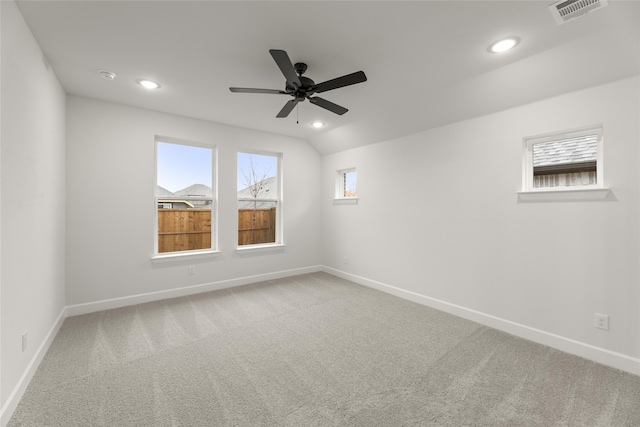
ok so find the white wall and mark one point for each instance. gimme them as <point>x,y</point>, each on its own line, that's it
<point>32,199</point>
<point>110,207</point>
<point>438,217</point>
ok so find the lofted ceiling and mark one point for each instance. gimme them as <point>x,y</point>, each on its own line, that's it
<point>427,62</point>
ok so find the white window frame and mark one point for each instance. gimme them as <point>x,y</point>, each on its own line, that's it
<point>527,158</point>
<point>340,196</point>
<point>279,243</point>
<point>197,253</point>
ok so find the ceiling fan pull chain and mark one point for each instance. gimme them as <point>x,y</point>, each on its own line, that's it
<point>297,114</point>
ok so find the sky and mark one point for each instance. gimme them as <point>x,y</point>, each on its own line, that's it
<point>180,166</point>
<point>264,166</point>
<point>350,181</point>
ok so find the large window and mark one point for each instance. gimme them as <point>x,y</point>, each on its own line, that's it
<point>566,160</point>
<point>184,197</point>
<point>259,199</point>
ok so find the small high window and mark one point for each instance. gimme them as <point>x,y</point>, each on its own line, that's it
<point>184,197</point>
<point>566,160</point>
<point>346,184</point>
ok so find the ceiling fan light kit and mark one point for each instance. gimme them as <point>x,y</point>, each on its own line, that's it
<point>301,88</point>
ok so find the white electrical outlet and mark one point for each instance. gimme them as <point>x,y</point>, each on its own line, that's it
<point>191,270</point>
<point>24,341</point>
<point>602,321</point>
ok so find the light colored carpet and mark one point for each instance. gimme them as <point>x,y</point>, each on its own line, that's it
<point>311,350</point>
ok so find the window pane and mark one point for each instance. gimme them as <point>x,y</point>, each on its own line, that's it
<point>256,222</point>
<point>566,151</point>
<point>184,169</point>
<point>346,184</point>
<point>184,197</point>
<point>257,176</point>
<point>184,229</point>
<point>257,198</point>
<point>566,162</point>
<point>349,189</point>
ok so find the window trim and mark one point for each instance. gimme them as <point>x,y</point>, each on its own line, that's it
<point>184,255</point>
<point>527,160</point>
<point>279,243</point>
<point>346,201</point>
<point>582,194</point>
<point>158,257</point>
<point>260,247</point>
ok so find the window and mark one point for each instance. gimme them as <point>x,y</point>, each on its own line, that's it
<point>346,184</point>
<point>184,197</point>
<point>563,161</point>
<point>259,200</point>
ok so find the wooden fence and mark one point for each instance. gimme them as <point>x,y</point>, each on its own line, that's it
<point>190,229</point>
<point>184,229</point>
<point>256,226</point>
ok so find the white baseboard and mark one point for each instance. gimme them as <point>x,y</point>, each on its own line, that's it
<point>18,391</point>
<point>568,345</point>
<point>91,307</point>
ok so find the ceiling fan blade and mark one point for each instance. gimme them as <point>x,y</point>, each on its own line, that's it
<point>334,108</point>
<point>287,108</point>
<point>285,65</point>
<point>349,79</point>
<point>251,90</point>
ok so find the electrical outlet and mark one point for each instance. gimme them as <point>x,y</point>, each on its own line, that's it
<point>24,341</point>
<point>191,270</point>
<point>602,321</point>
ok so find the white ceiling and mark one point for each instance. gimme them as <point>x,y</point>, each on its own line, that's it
<point>426,61</point>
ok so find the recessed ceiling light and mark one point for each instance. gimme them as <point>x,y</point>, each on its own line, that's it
<point>317,124</point>
<point>149,84</point>
<point>504,45</point>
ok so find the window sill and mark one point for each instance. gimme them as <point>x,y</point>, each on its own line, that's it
<point>346,201</point>
<point>182,256</point>
<point>260,248</point>
<point>564,195</point>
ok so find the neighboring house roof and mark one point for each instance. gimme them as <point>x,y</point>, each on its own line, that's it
<point>166,196</point>
<point>195,190</point>
<point>268,190</point>
<point>566,151</point>
<point>163,192</point>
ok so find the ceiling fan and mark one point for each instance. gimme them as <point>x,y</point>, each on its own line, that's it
<point>301,88</point>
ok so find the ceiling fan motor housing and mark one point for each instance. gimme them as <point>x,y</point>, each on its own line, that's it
<point>304,90</point>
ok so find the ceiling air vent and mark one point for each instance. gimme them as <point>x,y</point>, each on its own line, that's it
<point>566,10</point>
